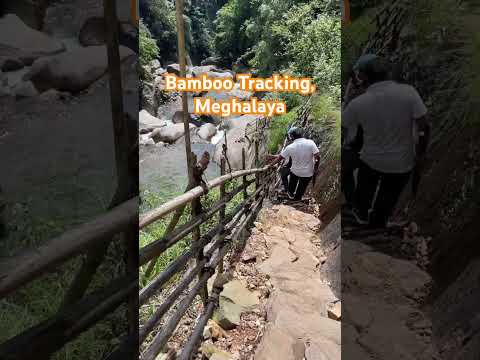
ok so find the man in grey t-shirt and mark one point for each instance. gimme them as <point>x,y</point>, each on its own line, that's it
<point>388,113</point>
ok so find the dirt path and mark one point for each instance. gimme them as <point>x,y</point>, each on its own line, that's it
<point>297,323</point>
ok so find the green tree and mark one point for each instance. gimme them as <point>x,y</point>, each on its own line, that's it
<point>148,46</point>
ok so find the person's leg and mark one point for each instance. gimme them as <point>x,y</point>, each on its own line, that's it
<point>391,187</point>
<point>292,184</point>
<point>349,164</point>
<point>284,173</point>
<point>302,187</point>
<point>367,182</point>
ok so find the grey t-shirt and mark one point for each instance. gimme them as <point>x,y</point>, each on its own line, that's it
<point>386,112</point>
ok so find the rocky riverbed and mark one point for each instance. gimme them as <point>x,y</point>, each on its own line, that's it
<point>56,132</point>
<point>162,136</point>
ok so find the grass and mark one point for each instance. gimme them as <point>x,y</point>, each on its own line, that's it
<point>325,115</point>
<point>156,230</point>
<point>41,299</point>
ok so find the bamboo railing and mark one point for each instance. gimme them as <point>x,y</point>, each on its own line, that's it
<point>208,251</point>
<point>44,339</point>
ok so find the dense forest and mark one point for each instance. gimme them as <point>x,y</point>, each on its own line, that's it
<point>295,36</point>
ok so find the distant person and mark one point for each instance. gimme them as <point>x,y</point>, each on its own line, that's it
<point>388,113</point>
<point>305,157</point>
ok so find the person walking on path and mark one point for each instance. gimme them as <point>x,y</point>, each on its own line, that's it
<point>389,113</point>
<point>305,157</point>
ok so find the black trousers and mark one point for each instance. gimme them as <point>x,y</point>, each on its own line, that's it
<point>297,186</point>
<point>285,173</point>
<point>390,187</point>
<point>350,163</point>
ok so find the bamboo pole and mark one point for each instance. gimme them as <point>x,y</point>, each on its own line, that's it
<point>244,162</point>
<point>196,192</point>
<point>221,218</point>
<point>26,267</point>
<point>183,72</point>
<point>121,147</point>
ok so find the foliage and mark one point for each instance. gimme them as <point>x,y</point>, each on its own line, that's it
<point>41,298</point>
<point>278,130</point>
<point>297,37</point>
<point>325,115</point>
<point>159,16</point>
<point>148,46</point>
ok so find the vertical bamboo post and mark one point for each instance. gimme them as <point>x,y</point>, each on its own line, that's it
<point>196,233</point>
<point>183,71</point>
<point>244,166</point>
<point>96,255</point>
<point>257,165</point>
<point>222,211</point>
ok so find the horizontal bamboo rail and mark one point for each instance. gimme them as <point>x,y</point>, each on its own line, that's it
<point>209,249</point>
<point>193,194</point>
<point>26,267</point>
<point>51,335</point>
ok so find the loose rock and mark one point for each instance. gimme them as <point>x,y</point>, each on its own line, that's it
<point>73,71</point>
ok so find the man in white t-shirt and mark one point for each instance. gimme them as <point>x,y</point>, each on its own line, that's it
<point>304,155</point>
<point>388,112</point>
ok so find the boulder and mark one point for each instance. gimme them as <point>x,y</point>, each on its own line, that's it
<point>235,299</point>
<point>236,140</point>
<point>169,133</point>
<point>26,45</point>
<point>24,89</point>
<point>173,69</point>
<point>8,64</point>
<point>150,121</point>
<point>326,350</point>
<point>146,141</point>
<point>153,94</point>
<point>155,64</point>
<point>65,19</point>
<point>237,292</point>
<point>128,36</point>
<point>93,32</point>
<point>212,60</point>
<point>197,120</point>
<point>219,74</point>
<point>199,70</point>
<point>159,72</point>
<point>4,88</point>
<point>214,331</point>
<point>72,71</point>
<point>213,353</point>
<point>145,130</point>
<point>278,345</point>
<point>207,131</point>
<point>31,12</point>
<point>334,310</point>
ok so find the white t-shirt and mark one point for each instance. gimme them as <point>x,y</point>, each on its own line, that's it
<point>302,152</point>
<point>386,112</point>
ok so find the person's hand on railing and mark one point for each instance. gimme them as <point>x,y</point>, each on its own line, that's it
<point>273,159</point>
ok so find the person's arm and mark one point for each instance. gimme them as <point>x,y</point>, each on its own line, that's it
<point>273,159</point>
<point>349,124</point>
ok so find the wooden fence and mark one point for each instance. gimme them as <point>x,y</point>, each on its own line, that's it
<point>208,250</point>
<point>44,339</point>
